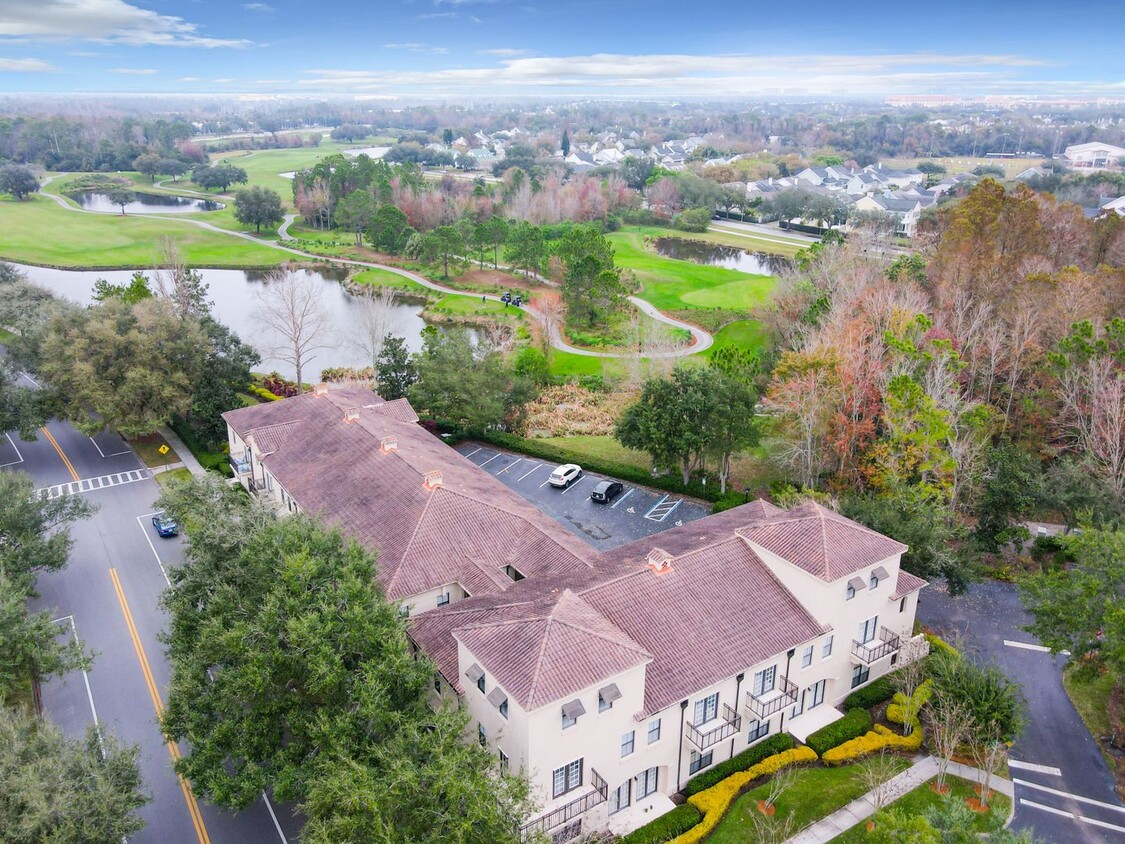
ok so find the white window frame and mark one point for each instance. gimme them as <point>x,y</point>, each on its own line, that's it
<point>628,743</point>
<point>826,648</point>
<point>648,781</point>
<point>873,583</point>
<point>654,726</point>
<point>758,686</point>
<point>817,689</point>
<point>566,779</point>
<point>443,599</point>
<point>619,799</point>
<point>806,656</point>
<point>706,709</point>
<point>698,761</point>
<point>758,730</point>
<point>868,629</point>
<point>849,592</point>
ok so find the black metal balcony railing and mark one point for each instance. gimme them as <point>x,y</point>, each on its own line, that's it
<point>239,464</point>
<point>868,652</point>
<point>571,810</point>
<point>729,725</point>
<point>763,705</point>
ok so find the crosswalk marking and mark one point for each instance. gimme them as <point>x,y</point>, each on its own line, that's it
<point>92,484</point>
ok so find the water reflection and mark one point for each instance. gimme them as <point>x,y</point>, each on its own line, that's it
<point>235,297</point>
<point>716,255</point>
<point>145,203</point>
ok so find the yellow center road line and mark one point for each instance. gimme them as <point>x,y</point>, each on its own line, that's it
<point>158,705</point>
<point>62,454</point>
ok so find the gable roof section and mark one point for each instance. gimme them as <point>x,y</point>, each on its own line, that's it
<point>907,583</point>
<point>543,651</point>
<point>718,611</point>
<point>820,541</point>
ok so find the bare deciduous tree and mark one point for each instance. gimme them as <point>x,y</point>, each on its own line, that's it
<point>373,323</point>
<point>908,679</point>
<point>988,755</point>
<point>290,306</point>
<point>949,725</point>
<point>781,782</point>
<point>875,774</point>
<point>769,829</point>
<point>551,309</point>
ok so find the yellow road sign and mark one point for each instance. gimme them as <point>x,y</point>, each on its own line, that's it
<point>164,449</point>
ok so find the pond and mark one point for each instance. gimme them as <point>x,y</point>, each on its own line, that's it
<point>716,255</point>
<point>235,297</point>
<point>145,203</point>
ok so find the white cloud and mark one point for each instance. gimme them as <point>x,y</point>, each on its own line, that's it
<point>417,47</point>
<point>264,8</point>
<point>503,52</point>
<point>134,71</point>
<point>191,79</point>
<point>107,21</point>
<point>429,16</point>
<point>25,66</point>
<point>726,75</point>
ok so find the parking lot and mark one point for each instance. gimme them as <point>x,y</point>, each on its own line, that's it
<point>634,514</point>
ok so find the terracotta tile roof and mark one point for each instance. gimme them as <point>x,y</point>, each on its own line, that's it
<point>906,584</point>
<point>820,541</point>
<point>543,651</point>
<point>718,611</point>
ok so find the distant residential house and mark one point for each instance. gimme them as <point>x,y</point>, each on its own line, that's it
<point>893,178</point>
<point>862,183</point>
<point>1094,156</point>
<point>1113,206</point>
<point>1030,173</point>
<point>906,211</point>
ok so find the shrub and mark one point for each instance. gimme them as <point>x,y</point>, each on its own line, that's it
<point>622,471</point>
<point>666,827</point>
<point>729,500</point>
<point>692,220</point>
<point>740,762</point>
<point>713,802</point>
<point>939,645</point>
<point>870,695</point>
<point>994,701</point>
<point>279,386</point>
<point>851,726</point>
<point>263,393</point>
<point>880,738</point>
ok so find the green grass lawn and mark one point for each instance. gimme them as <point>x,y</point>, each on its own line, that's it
<point>37,231</point>
<point>172,477</point>
<point>1090,696</point>
<point>148,449</point>
<point>923,797</point>
<point>743,333</point>
<point>385,278</point>
<point>815,793</point>
<point>263,166</point>
<point>673,285</point>
<point>601,448</point>
<point>454,305</point>
<point>568,364</point>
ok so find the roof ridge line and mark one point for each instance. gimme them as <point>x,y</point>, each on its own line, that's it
<point>413,536</point>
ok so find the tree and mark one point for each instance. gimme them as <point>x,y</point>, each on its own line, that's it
<point>464,386</point>
<point>375,308</point>
<point>994,702</point>
<point>31,645</point>
<point>731,425</point>
<point>21,408</point>
<point>355,213</point>
<point>120,197</point>
<point>565,143</point>
<point>552,311</point>
<point>173,167</point>
<point>17,180</point>
<point>444,244</point>
<point>66,791</point>
<point>131,365</point>
<point>395,370</point>
<point>1008,493</point>
<point>389,229</point>
<point>148,164</point>
<point>666,420</point>
<point>220,176</point>
<point>135,291</point>
<point>526,248</point>
<point>592,286</point>
<point>1082,608</point>
<point>874,774</point>
<point>447,137</point>
<point>948,727</point>
<point>224,374</point>
<point>790,203</point>
<point>498,235</point>
<point>291,307</point>
<point>258,206</point>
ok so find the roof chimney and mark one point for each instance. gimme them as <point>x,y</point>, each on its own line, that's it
<point>659,560</point>
<point>320,389</point>
<point>351,414</point>
<point>388,444</point>
<point>432,479</point>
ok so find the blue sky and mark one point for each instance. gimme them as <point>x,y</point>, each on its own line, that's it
<point>487,48</point>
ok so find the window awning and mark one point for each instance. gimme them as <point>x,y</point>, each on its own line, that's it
<point>497,697</point>
<point>573,708</point>
<point>857,583</point>
<point>474,673</point>
<point>881,573</point>
<point>609,693</point>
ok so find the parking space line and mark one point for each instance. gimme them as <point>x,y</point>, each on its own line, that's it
<point>86,679</point>
<point>662,509</point>
<point>489,460</point>
<point>509,466</point>
<point>1068,795</point>
<point>613,506</point>
<point>1065,814</point>
<point>1031,766</point>
<point>148,539</point>
<point>29,378</point>
<point>545,482</point>
<point>474,451</point>
<point>1027,646</point>
<point>529,471</point>
<point>103,454</point>
<point>11,442</point>
<point>573,485</point>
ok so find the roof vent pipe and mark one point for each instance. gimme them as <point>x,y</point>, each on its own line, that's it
<point>320,389</point>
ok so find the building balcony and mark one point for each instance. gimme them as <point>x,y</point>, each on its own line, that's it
<point>730,724</point>
<point>240,464</point>
<point>769,703</point>
<point>569,811</point>
<point>886,644</point>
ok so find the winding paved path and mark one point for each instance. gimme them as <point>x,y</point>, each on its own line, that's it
<point>700,339</point>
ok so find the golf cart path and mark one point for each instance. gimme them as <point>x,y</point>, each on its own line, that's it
<point>700,339</point>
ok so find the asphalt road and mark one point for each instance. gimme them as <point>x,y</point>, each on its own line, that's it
<point>108,595</point>
<point>636,513</point>
<point>1064,790</point>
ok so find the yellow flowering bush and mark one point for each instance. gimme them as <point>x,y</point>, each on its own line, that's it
<point>878,739</point>
<point>714,801</point>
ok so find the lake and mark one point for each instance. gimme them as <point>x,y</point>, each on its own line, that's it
<point>145,203</point>
<point>716,255</point>
<point>235,293</point>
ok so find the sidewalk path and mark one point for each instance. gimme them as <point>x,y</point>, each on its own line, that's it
<point>858,811</point>
<point>187,459</point>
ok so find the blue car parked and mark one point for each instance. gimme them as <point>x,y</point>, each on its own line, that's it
<point>165,525</point>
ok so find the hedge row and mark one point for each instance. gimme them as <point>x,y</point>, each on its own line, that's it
<point>870,695</point>
<point>666,827</point>
<point>882,738</point>
<point>623,471</point>
<point>851,726</point>
<point>739,762</point>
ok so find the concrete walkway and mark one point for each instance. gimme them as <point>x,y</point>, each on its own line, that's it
<point>187,459</point>
<point>858,811</point>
